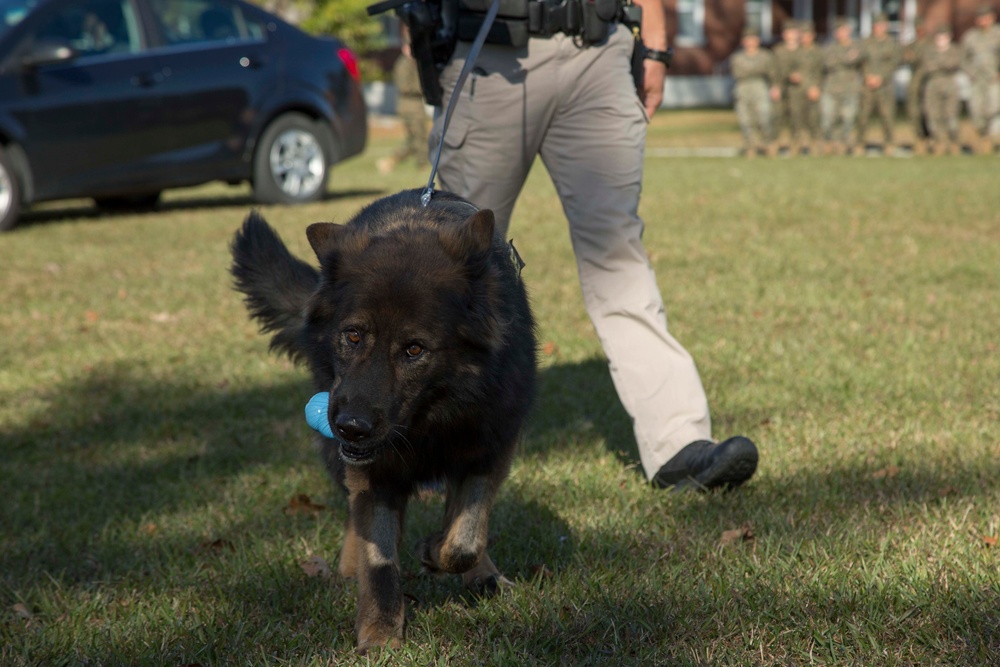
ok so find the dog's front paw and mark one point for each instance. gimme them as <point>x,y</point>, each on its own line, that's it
<point>377,640</point>
<point>425,553</point>
<point>487,586</point>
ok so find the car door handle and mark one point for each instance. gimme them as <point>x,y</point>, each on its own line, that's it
<point>253,62</point>
<point>150,79</point>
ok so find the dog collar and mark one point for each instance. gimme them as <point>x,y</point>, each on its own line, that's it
<point>317,414</point>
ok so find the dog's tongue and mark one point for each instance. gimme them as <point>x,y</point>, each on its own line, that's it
<point>316,414</point>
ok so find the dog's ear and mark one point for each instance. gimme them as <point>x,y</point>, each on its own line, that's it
<point>323,237</point>
<point>471,239</point>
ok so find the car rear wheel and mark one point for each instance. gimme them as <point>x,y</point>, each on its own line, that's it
<point>292,161</point>
<point>10,194</point>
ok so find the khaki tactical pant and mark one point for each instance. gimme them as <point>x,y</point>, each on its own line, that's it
<point>577,108</point>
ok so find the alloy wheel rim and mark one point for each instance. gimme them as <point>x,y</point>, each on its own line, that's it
<point>297,163</point>
<point>6,191</point>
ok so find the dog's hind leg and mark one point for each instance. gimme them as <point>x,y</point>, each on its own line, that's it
<point>461,547</point>
<point>374,532</point>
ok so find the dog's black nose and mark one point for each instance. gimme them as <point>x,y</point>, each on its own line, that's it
<point>352,428</point>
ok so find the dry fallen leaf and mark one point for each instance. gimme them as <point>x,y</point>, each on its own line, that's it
<point>148,528</point>
<point>550,349</point>
<point>303,504</point>
<point>541,572</point>
<point>91,316</point>
<point>161,318</point>
<point>22,611</point>
<point>887,472</point>
<point>315,566</point>
<point>736,536</point>
<point>990,540</point>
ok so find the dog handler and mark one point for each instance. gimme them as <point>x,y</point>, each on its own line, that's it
<point>555,81</point>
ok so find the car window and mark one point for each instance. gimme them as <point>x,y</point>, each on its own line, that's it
<point>93,27</point>
<point>192,21</point>
<point>13,12</point>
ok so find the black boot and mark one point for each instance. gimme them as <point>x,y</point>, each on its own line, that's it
<point>706,465</point>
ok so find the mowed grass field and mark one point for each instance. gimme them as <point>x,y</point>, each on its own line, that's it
<point>844,313</point>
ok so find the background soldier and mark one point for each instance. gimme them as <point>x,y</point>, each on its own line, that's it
<point>409,108</point>
<point>981,61</point>
<point>811,74</point>
<point>882,55</point>
<point>783,83</point>
<point>752,69</point>
<point>940,99</point>
<point>913,55</point>
<point>842,62</point>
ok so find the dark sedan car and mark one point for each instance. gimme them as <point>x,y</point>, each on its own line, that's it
<point>119,99</point>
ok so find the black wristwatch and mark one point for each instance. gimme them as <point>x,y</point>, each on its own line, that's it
<point>665,57</point>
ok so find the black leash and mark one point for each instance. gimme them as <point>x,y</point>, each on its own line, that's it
<point>470,61</point>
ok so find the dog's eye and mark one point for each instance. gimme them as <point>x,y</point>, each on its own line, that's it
<point>352,336</point>
<point>414,350</point>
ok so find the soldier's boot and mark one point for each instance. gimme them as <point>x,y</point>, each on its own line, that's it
<point>772,149</point>
<point>954,148</point>
<point>919,147</point>
<point>938,148</point>
<point>888,149</point>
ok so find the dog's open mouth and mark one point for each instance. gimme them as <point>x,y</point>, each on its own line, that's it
<point>356,456</point>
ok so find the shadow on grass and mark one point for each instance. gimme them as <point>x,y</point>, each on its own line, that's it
<point>578,401</point>
<point>75,470</point>
<point>76,210</point>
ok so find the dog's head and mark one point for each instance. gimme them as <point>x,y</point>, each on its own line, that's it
<point>403,323</point>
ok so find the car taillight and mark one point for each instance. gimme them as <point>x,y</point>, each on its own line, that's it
<point>350,62</point>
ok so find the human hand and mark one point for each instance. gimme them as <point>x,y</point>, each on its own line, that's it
<point>775,93</point>
<point>653,75</point>
<point>812,93</point>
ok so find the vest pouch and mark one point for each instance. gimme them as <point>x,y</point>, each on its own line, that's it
<point>597,18</point>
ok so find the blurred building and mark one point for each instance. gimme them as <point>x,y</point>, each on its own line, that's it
<point>704,33</point>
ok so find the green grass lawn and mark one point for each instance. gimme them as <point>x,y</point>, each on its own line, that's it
<point>844,313</point>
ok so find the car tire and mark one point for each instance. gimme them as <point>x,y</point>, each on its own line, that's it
<point>10,193</point>
<point>129,203</point>
<point>292,161</point>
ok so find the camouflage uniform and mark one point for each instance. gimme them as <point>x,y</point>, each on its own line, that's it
<point>410,109</point>
<point>940,97</point>
<point>841,91</point>
<point>881,58</point>
<point>981,62</point>
<point>752,74</point>
<point>913,55</point>
<point>786,62</point>
<point>807,110</point>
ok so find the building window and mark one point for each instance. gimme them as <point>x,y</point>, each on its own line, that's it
<point>690,22</point>
<point>758,15</point>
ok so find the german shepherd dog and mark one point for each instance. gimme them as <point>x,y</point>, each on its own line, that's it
<point>418,326</point>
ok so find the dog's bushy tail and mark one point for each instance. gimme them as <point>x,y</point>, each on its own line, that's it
<point>276,285</point>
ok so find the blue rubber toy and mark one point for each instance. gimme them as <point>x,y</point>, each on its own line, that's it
<point>316,414</point>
